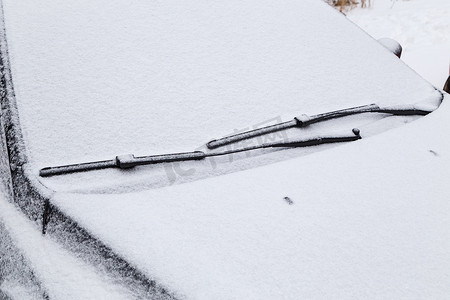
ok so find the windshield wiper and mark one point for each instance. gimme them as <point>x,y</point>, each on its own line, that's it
<point>305,120</point>
<point>130,161</point>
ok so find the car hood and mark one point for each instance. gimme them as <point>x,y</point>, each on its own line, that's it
<point>367,219</point>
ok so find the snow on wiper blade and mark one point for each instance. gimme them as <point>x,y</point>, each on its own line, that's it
<point>305,120</point>
<point>130,161</point>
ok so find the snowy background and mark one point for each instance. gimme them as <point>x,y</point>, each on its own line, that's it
<point>422,27</point>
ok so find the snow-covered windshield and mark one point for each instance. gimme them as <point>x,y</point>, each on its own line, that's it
<point>96,79</point>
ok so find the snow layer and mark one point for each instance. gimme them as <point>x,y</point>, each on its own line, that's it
<point>421,26</point>
<point>62,275</point>
<point>391,45</point>
<point>368,220</point>
<point>95,79</point>
<point>16,277</point>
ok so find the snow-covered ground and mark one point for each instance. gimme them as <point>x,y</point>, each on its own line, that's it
<point>421,26</point>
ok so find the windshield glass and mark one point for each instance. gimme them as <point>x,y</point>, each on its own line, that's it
<point>96,79</point>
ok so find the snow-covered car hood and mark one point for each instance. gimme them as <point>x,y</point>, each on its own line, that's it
<point>367,220</point>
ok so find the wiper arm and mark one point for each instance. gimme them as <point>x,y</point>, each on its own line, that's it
<point>305,120</point>
<point>130,161</point>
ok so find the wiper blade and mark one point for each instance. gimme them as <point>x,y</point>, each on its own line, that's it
<point>305,120</point>
<point>130,161</point>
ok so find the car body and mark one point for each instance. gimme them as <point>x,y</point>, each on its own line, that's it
<point>89,80</point>
<point>447,84</point>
